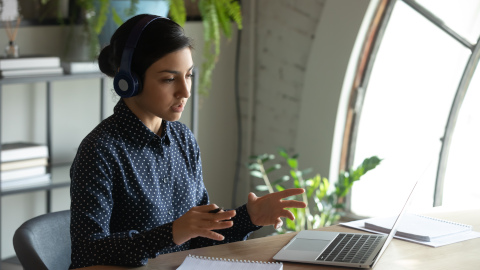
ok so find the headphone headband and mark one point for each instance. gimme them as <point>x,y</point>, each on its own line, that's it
<point>126,83</point>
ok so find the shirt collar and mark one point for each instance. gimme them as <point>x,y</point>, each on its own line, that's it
<point>135,129</point>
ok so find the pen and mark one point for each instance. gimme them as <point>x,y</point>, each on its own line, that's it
<point>215,210</point>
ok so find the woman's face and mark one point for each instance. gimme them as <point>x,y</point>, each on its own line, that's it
<point>166,87</point>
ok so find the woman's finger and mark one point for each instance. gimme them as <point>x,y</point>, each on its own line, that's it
<point>293,204</point>
<point>225,215</point>
<point>287,214</point>
<point>289,192</point>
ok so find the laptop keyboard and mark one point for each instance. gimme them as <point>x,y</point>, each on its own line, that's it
<point>350,248</point>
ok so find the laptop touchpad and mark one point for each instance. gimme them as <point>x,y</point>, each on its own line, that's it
<point>308,244</point>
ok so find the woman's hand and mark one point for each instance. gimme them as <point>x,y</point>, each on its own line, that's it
<point>199,222</point>
<point>268,209</point>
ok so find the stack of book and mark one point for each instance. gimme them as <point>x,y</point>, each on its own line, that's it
<point>30,66</point>
<point>24,164</point>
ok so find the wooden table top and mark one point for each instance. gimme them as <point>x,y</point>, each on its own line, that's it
<point>399,255</point>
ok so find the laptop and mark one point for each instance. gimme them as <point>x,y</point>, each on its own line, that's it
<point>356,250</point>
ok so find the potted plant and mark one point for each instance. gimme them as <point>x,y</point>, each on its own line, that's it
<point>325,203</point>
<point>217,17</point>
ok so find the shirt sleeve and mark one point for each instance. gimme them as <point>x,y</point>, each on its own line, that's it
<point>91,209</point>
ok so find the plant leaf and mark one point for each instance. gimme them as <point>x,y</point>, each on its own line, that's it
<point>273,168</point>
<point>116,18</point>
<point>177,11</point>
<point>283,152</point>
<point>256,174</point>
<point>292,162</point>
<point>261,188</point>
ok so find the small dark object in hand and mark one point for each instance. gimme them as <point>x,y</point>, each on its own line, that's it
<point>215,210</point>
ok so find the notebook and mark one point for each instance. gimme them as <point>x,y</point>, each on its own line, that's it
<point>209,263</point>
<point>417,227</point>
<point>356,250</point>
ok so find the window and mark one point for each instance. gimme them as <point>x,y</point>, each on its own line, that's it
<point>413,82</point>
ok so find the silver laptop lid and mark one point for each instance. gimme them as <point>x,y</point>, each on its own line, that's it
<point>395,225</point>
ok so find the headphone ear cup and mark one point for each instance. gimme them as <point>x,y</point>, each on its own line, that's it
<point>125,84</point>
<point>138,84</point>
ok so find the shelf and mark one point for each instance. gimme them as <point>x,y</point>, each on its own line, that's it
<point>58,77</point>
<point>60,178</point>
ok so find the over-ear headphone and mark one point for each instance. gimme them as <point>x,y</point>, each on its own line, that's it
<point>126,83</point>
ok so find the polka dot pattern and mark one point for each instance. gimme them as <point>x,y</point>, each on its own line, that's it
<point>129,185</point>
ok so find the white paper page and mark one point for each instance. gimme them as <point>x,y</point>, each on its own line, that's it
<point>441,241</point>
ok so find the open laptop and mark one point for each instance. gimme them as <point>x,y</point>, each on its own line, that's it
<point>358,250</point>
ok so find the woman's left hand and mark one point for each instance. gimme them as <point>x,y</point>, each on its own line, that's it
<point>268,209</point>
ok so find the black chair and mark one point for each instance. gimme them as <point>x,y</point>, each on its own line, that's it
<point>44,242</point>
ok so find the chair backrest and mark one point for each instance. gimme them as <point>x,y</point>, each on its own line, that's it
<point>44,242</point>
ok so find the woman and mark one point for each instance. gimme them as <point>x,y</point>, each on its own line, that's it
<point>137,189</point>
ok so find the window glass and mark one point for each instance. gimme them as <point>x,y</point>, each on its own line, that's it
<point>462,184</point>
<point>459,15</point>
<point>410,92</point>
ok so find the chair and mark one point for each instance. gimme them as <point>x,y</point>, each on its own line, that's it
<point>44,242</point>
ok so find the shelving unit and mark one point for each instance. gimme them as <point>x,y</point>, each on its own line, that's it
<point>59,173</point>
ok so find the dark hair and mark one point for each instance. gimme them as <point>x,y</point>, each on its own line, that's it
<point>159,38</point>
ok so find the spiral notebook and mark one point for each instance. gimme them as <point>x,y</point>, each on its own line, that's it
<point>201,262</point>
<point>417,227</point>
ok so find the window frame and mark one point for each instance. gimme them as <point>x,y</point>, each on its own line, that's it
<point>357,95</point>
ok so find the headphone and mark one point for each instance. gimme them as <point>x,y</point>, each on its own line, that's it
<point>126,83</point>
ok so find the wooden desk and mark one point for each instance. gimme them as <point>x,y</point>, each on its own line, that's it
<point>399,255</point>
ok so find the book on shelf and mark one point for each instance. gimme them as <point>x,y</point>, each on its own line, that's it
<point>12,175</point>
<point>29,62</point>
<point>26,182</point>
<point>417,227</point>
<point>80,67</point>
<point>24,163</point>
<point>209,263</point>
<point>22,150</point>
<point>30,72</point>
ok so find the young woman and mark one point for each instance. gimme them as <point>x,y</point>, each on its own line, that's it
<point>137,189</point>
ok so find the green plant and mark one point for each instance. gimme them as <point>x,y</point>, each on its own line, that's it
<point>218,16</point>
<point>325,204</point>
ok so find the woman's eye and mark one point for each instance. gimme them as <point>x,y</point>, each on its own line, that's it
<point>190,75</point>
<point>169,80</point>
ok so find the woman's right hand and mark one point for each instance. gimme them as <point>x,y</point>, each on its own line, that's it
<point>199,222</point>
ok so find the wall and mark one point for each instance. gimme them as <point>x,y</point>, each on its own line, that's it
<point>301,51</point>
<point>279,74</point>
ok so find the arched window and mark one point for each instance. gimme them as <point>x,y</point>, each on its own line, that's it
<point>414,105</point>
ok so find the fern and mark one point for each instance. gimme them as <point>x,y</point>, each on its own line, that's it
<point>177,11</point>
<point>223,17</point>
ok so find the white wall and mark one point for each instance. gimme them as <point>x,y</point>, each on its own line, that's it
<point>281,71</point>
<point>324,80</point>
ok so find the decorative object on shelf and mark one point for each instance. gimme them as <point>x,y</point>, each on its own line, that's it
<point>100,17</point>
<point>11,19</point>
<point>325,204</point>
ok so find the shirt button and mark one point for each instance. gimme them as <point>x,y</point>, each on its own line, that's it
<point>170,212</point>
<point>165,180</point>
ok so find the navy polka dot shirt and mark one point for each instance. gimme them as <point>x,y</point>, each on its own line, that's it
<point>129,185</point>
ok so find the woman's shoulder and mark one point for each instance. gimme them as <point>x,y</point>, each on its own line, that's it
<point>103,135</point>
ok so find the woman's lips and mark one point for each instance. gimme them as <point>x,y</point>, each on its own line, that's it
<point>178,108</point>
